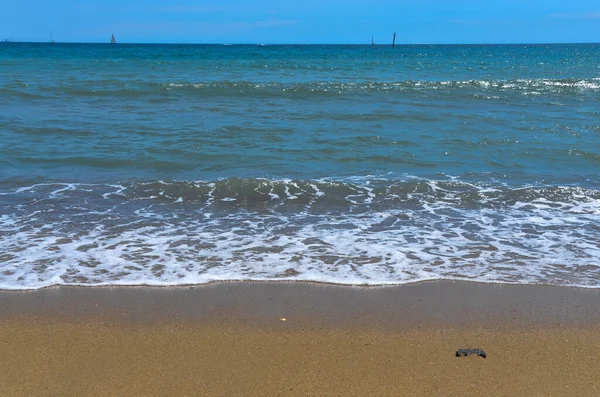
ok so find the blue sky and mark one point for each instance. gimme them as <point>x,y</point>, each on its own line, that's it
<point>303,21</point>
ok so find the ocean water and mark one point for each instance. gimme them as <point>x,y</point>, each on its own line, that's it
<point>185,164</point>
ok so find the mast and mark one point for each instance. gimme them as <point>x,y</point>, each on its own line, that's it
<point>394,40</point>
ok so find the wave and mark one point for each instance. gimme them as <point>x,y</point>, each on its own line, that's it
<point>486,89</point>
<point>328,88</point>
<point>369,231</point>
<point>372,191</point>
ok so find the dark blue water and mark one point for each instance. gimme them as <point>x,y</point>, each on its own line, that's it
<point>175,164</point>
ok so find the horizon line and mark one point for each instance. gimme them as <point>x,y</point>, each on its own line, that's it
<point>2,41</point>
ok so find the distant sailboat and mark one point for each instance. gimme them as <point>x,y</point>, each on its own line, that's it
<point>52,39</point>
<point>372,41</point>
<point>112,40</point>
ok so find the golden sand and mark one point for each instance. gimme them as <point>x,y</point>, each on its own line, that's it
<point>229,339</point>
<point>95,357</point>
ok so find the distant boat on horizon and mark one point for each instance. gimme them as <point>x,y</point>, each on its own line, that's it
<point>112,39</point>
<point>372,41</point>
<point>52,38</point>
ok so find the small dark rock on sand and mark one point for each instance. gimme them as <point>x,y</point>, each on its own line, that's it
<point>468,352</point>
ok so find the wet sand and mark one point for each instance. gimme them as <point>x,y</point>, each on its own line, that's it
<point>229,339</point>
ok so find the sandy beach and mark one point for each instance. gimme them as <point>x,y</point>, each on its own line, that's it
<point>277,339</point>
<point>278,142</point>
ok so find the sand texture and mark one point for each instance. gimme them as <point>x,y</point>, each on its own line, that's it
<point>109,345</point>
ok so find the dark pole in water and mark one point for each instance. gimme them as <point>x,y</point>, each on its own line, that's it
<point>394,40</point>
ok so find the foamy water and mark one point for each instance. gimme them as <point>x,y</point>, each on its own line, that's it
<point>372,233</point>
<point>370,165</point>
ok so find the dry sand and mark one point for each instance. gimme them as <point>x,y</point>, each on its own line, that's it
<point>229,340</point>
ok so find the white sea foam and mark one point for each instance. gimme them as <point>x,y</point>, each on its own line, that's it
<point>523,86</point>
<point>553,238</point>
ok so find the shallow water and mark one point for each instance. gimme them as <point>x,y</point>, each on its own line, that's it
<point>172,164</point>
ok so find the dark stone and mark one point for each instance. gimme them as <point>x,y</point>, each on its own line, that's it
<point>468,352</point>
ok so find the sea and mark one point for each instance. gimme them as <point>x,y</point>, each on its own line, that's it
<point>174,165</point>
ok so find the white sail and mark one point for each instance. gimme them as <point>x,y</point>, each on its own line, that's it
<point>112,40</point>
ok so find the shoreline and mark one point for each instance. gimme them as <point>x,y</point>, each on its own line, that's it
<point>439,302</point>
<point>288,339</point>
<point>288,281</point>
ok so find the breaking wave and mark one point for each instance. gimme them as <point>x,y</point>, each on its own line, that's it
<point>367,231</point>
<point>473,88</point>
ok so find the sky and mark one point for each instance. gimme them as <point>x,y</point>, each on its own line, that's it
<point>303,21</point>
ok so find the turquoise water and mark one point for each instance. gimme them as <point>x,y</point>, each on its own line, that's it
<point>184,164</point>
